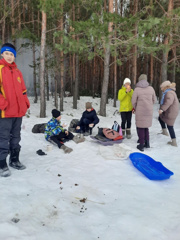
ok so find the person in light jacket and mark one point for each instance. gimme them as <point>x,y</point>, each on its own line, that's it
<point>125,96</point>
<point>142,100</point>
<point>169,108</point>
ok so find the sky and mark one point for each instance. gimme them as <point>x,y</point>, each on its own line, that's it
<point>91,193</point>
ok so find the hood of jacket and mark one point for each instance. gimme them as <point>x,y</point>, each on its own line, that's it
<point>142,84</point>
<point>173,88</point>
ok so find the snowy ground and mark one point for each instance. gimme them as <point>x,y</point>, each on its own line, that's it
<point>43,201</point>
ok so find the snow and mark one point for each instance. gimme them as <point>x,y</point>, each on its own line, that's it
<point>42,202</point>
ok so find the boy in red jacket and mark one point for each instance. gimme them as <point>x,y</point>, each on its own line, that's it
<point>13,106</point>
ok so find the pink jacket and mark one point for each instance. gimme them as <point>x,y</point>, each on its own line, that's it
<point>142,100</point>
<point>170,107</point>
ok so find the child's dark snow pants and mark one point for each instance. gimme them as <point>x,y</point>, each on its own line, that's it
<point>58,139</point>
<point>10,135</point>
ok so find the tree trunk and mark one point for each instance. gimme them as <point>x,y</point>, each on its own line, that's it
<point>19,16</point>
<point>77,59</point>
<point>166,51</point>
<point>4,23</point>
<point>55,93</point>
<point>151,69</point>
<point>46,76</point>
<point>34,63</point>
<point>74,81</point>
<point>115,81</point>
<point>151,56</point>
<point>42,67</point>
<point>104,92</point>
<point>71,75</point>
<point>115,64</point>
<point>94,76</point>
<point>38,28</point>
<point>75,85</point>
<point>47,84</point>
<point>61,64</point>
<point>121,7</point>
<point>75,96</point>
<point>105,6</point>
<point>13,23</point>
<point>34,73</point>
<point>174,65</point>
<point>24,11</point>
<point>164,67</point>
<point>134,60</point>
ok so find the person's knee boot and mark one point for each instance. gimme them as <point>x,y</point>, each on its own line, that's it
<point>4,170</point>
<point>140,147</point>
<point>146,144</point>
<point>66,149</point>
<point>173,142</point>
<point>128,133</point>
<point>124,133</point>
<point>78,139</point>
<point>165,132</point>
<point>14,159</point>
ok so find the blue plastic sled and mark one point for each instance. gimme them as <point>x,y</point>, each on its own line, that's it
<point>108,142</point>
<point>149,167</point>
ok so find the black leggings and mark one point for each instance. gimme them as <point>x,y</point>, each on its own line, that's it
<point>59,139</point>
<point>126,117</point>
<point>170,128</point>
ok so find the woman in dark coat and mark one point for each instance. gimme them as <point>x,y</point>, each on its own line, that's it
<point>88,120</point>
<point>169,108</point>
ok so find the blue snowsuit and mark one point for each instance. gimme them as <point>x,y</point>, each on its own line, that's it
<point>55,132</point>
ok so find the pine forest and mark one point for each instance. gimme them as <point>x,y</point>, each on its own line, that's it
<point>88,47</point>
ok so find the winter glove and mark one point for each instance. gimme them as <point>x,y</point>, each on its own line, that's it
<point>40,152</point>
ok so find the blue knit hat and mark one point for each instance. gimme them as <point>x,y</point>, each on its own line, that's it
<point>8,47</point>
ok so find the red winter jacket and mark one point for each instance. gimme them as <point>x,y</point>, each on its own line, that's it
<point>13,97</point>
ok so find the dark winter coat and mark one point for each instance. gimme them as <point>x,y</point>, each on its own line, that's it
<point>170,107</point>
<point>91,116</point>
<point>142,100</point>
<point>13,97</point>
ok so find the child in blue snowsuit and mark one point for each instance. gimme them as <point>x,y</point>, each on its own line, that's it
<point>55,132</point>
<point>88,120</point>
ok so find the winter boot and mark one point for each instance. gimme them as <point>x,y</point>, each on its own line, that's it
<point>90,131</point>
<point>140,147</point>
<point>78,139</point>
<point>78,135</point>
<point>146,144</point>
<point>128,133</point>
<point>124,133</point>
<point>66,149</point>
<point>173,143</point>
<point>87,133</point>
<point>165,132</point>
<point>4,170</point>
<point>14,159</point>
